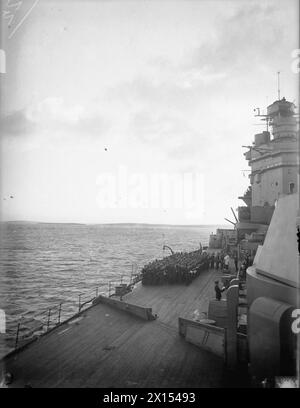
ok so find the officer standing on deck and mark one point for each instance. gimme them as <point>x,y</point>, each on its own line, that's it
<point>218,290</point>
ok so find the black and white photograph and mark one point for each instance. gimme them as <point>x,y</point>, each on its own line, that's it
<point>149,197</point>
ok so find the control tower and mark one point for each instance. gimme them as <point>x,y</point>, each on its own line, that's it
<point>273,158</point>
<point>274,161</point>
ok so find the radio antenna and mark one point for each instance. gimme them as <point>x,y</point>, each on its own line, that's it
<point>278,84</point>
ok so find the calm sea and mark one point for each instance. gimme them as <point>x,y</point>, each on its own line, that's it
<point>42,265</point>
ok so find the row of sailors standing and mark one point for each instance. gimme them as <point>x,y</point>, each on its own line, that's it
<point>184,267</point>
<point>180,267</point>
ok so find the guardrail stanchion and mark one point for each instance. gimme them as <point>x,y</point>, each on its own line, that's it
<point>17,335</point>
<point>48,322</point>
<point>79,302</point>
<point>59,313</point>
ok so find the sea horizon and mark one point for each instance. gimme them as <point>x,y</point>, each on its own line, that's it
<point>142,224</point>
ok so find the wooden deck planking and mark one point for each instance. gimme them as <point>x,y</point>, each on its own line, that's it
<point>171,301</point>
<point>139,354</point>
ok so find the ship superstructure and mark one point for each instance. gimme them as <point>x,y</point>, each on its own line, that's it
<point>266,232</point>
<point>274,162</point>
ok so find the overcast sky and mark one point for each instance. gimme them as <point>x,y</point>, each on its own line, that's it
<point>141,87</point>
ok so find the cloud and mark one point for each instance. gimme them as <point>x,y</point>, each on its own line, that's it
<point>180,75</point>
<point>53,114</point>
<point>249,39</point>
<point>54,109</point>
<point>169,133</point>
<point>16,123</point>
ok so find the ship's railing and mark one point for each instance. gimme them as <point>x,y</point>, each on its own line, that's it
<point>57,314</point>
<point>127,281</point>
<point>53,316</point>
<point>87,297</point>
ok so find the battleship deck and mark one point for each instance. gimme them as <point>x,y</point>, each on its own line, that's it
<point>105,347</point>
